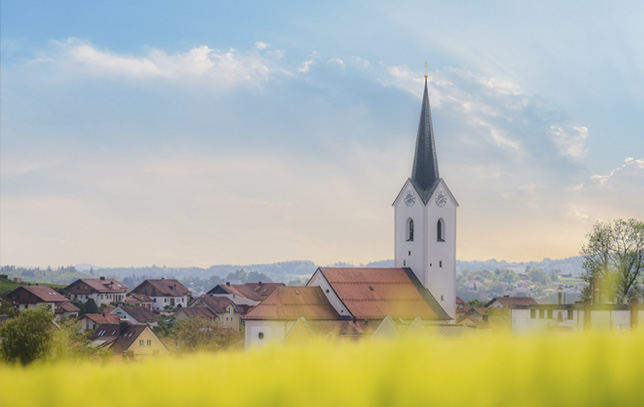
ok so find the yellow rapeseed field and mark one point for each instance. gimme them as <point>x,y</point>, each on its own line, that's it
<point>477,371</point>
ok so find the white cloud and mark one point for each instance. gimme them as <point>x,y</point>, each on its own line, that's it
<point>336,61</point>
<point>261,45</point>
<point>361,63</point>
<point>306,65</point>
<point>204,64</point>
<point>570,140</point>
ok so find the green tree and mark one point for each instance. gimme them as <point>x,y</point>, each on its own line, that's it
<point>27,337</point>
<point>537,276</point>
<point>90,307</point>
<point>197,334</point>
<point>552,276</point>
<point>6,308</point>
<point>615,254</point>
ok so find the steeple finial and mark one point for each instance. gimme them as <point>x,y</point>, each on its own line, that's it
<point>426,68</point>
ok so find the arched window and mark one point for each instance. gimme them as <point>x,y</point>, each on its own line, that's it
<point>440,230</point>
<point>410,230</point>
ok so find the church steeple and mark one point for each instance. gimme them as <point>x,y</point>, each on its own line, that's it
<point>424,173</point>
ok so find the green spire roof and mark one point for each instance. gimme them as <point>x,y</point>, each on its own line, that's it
<point>424,173</point>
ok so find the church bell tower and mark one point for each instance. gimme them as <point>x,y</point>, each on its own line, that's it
<point>425,219</point>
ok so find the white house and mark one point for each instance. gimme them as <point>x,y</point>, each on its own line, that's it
<point>165,293</point>
<point>103,291</point>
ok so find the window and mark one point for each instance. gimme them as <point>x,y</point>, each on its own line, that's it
<point>410,230</point>
<point>149,342</point>
<point>440,231</point>
<point>141,342</point>
<point>533,313</point>
<point>542,313</point>
<point>570,314</point>
<point>260,335</point>
<point>440,263</point>
<point>549,314</point>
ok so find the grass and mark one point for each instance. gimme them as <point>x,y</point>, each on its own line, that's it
<point>7,286</point>
<point>489,370</point>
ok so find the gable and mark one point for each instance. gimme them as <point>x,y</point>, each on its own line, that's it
<point>374,293</point>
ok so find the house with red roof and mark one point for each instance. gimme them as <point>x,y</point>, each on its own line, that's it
<point>127,340</point>
<point>165,293</point>
<point>103,291</point>
<point>506,302</point>
<point>89,322</point>
<point>245,294</point>
<point>136,315</point>
<point>139,300</point>
<point>222,308</point>
<point>34,296</point>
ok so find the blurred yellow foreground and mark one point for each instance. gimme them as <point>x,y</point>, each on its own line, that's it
<point>490,370</point>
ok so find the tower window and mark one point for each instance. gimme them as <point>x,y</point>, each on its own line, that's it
<point>440,230</point>
<point>440,263</point>
<point>410,230</point>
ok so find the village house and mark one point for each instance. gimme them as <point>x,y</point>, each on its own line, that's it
<point>34,296</point>
<point>247,294</point>
<point>103,291</point>
<point>541,318</point>
<point>165,293</point>
<point>506,302</point>
<point>127,340</point>
<point>90,321</point>
<point>226,313</point>
<point>139,300</point>
<point>136,315</point>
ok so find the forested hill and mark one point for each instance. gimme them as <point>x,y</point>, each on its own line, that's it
<point>290,271</point>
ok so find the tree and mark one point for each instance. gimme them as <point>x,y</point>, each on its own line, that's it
<point>198,334</point>
<point>615,255</point>
<point>537,276</point>
<point>6,308</point>
<point>27,337</point>
<point>90,307</point>
<point>553,277</point>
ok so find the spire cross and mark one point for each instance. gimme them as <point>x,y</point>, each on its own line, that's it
<point>425,68</point>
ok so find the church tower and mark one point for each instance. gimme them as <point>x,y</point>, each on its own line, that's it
<point>425,220</point>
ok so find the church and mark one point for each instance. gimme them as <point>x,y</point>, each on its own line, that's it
<point>418,293</point>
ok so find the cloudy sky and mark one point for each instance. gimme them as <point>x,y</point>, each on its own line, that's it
<point>199,133</point>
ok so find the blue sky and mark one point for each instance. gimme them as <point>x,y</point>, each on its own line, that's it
<point>203,133</point>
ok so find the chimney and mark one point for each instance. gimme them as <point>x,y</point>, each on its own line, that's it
<point>102,278</point>
<point>587,310</point>
<point>260,283</point>
<point>123,324</point>
<point>228,283</point>
<point>635,308</point>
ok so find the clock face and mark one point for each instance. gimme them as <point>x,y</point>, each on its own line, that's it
<point>441,199</point>
<point>410,198</point>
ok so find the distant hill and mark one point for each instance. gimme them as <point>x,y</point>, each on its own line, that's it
<point>282,271</point>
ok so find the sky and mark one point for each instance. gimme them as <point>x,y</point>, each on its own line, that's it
<point>203,132</point>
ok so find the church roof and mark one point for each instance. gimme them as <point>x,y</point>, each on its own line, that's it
<point>424,173</point>
<point>287,303</point>
<point>374,293</point>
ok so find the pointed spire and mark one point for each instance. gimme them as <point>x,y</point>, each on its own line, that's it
<point>424,173</point>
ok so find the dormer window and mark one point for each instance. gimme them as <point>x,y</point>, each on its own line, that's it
<point>410,230</point>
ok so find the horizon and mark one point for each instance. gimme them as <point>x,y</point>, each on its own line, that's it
<point>221,134</point>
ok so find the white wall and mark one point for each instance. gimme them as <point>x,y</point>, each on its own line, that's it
<point>273,331</point>
<point>432,261</point>
<point>318,280</point>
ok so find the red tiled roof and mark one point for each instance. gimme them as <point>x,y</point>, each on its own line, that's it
<point>201,312</point>
<point>101,285</point>
<point>140,314</point>
<point>217,304</point>
<point>164,287</point>
<point>374,293</point>
<point>507,301</point>
<point>292,303</point>
<point>103,319</point>
<point>67,307</point>
<point>40,292</point>
<point>137,298</point>
<point>252,291</point>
